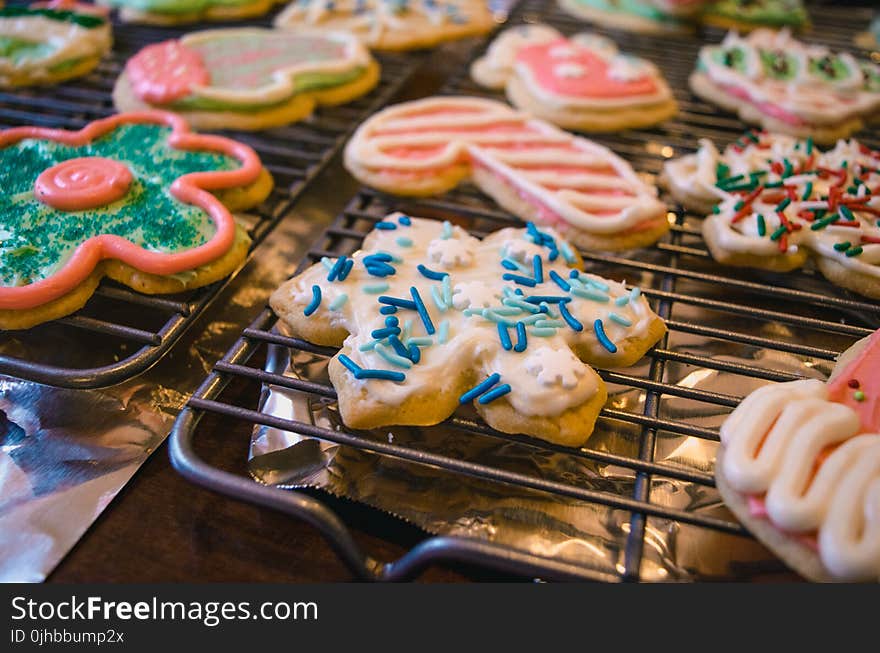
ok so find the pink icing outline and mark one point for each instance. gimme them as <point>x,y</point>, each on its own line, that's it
<point>191,188</point>
<point>162,84</point>
<point>114,180</point>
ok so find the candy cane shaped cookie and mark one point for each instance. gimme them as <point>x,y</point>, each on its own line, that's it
<point>533,169</point>
<point>579,83</point>
<point>799,464</point>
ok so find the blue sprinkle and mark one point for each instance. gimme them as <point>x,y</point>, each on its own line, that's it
<point>386,225</point>
<point>562,283</point>
<point>438,299</point>
<point>378,269</point>
<point>398,346</point>
<point>599,328</point>
<point>570,319</point>
<point>404,220</point>
<point>480,388</point>
<point>447,230</point>
<point>525,281</point>
<point>594,295</point>
<point>414,354</point>
<point>339,302</point>
<point>443,333</point>
<point>343,275</point>
<point>539,268</point>
<point>533,319</point>
<point>551,324</point>
<point>375,288</point>
<point>393,358</point>
<point>622,301</point>
<point>492,395</point>
<point>388,310</point>
<point>327,263</point>
<point>521,341</point>
<point>622,321</point>
<point>505,310</point>
<point>543,332</point>
<point>353,367</point>
<point>382,257</point>
<point>337,268</point>
<point>407,330</point>
<point>549,299</point>
<point>399,303</point>
<point>507,264</point>
<point>504,336</point>
<point>368,346</point>
<point>595,283</point>
<point>404,242</point>
<point>447,291</point>
<point>519,291</point>
<point>389,257</point>
<point>521,304</point>
<point>573,274</point>
<point>423,312</point>
<point>634,294</point>
<point>384,375</point>
<point>430,274</point>
<point>379,334</point>
<point>316,301</point>
<point>567,254</point>
<point>490,315</point>
<point>391,321</point>
<point>422,341</point>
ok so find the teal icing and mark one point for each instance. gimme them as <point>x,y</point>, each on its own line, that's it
<point>36,239</point>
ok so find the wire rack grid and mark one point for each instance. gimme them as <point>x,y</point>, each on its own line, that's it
<point>768,320</point>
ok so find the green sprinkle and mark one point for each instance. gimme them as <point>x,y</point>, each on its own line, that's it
<point>403,241</point>
<point>716,209</point>
<point>752,137</point>
<point>339,302</point>
<point>375,288</point>
<point>824,222</point>
<point>808,190</point>
<point>590,294</point>
<point>773,184</point>
<point>858,395</point>
<point>846,212</point>
<point>810,145</point>
<point>855,251</point>
<point>783,204</point>
<point>776,235</point>
<point>738,205</point>
<point>721,170</point>
<point>762,226</point>
<point>392,357</point>
<point>842,246</point>
<point>787,168</point>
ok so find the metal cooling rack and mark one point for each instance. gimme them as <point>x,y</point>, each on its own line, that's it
<point>126,332</point>
<point>798,315</point>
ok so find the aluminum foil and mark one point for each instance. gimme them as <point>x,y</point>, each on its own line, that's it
<point>567,529</point>
<point>65,454</point>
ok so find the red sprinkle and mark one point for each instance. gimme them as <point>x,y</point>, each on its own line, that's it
<point>871,240</point>
<point>854,383</point>
<point>783,243</point>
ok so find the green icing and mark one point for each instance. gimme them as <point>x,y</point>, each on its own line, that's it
<point>778,64</point>
<point>871,76</point>
<point>36,240</point>
<point>635,7</point>
<point>176,6</point>
<point>306,81</point>
<point>83,20</point>
<point>19,50</point>
<point>830,68</point>
<point>761,12</point>
<point>66,65</point>
<point>734,57</point>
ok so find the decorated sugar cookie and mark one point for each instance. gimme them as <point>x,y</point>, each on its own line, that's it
<point>392,24</point>
<point>429,318</point>
<point>246,78</point>
<point>771,79</point>
<point>746,15</point>
<point>782,201</point>
<point>799,464</point>
<point>135,197</point>
<point>47,43</point>
<point>646,16</point>
<point>176,12</point>
<point>579,83</point>
<point>533,169</point>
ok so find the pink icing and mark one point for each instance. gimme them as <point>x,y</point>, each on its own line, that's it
<point>164,72</point>
<point>758,509</point>
<point>865,370</point>
<point>595,81</point>
<point>192,188</point>
<point>772,110</point>
<point>83,183</point>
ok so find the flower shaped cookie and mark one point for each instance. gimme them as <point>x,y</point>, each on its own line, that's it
<point>129,197</point>
<point>508,324</point>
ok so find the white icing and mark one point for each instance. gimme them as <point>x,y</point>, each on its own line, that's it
<point>773,440</point>
<point>473,345</point>
<point>461,129</point>
<point>569,69</point>
<point>452,252</point>
<point>68,41</point>
<point>807,96</point>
